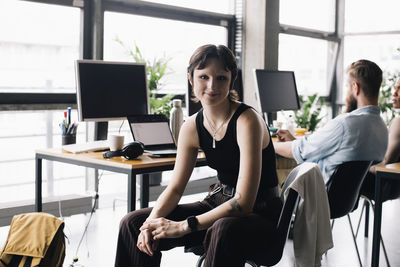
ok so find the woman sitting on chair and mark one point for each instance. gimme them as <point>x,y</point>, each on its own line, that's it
<point>240,212</point>
<point>390,188</point>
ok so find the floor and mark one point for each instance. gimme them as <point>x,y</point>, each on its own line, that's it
<point>98,246</point>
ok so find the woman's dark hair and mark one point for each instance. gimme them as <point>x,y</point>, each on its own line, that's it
<point>224,54</point>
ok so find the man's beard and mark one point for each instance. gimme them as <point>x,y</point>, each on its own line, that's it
<point>351,103</point>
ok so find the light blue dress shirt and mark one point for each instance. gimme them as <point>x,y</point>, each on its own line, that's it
<point>358,135</point>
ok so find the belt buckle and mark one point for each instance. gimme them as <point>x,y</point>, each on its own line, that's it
<point>228,191</point>
<point>216,190</point>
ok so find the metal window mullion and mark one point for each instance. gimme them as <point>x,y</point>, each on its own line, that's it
<point>231,36</point>
<point>92,48</point>
<point>37,98</point>
<point>371,33</point>
<point>56,2</point>
<point>336,94</point>
<point>168,12</point>
<point>292,30</point>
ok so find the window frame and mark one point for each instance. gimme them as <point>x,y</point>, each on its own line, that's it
<point>336,37</point>
<point>91,43</point>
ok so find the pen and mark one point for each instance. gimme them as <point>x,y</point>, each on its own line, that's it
<point>65,121</point>
<point>69,116</point>
<point>62,128</point>
<point>75,127</point>
<point>71,128</point>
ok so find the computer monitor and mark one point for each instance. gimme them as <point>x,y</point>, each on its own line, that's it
<point>110,90</point>
<point>276,90</point>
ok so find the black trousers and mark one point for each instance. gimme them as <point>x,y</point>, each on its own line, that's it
<point>230,241</point>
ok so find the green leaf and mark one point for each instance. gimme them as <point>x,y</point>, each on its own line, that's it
<point>308,116</point>
<point>385,96</point>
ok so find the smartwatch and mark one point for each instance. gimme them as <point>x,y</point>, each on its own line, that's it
<point>192,223</point>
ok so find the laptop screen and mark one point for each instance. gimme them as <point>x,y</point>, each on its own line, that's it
<point>152,133</point>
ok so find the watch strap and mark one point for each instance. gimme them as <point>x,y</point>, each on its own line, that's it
<point>192,223</point>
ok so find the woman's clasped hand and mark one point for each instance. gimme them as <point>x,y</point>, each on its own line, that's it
<point>154,229</point>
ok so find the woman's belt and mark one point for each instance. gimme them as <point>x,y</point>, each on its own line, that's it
<point>229,191</point>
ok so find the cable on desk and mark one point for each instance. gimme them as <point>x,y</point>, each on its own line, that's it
<point>119,130</point>
<point>96,197</point>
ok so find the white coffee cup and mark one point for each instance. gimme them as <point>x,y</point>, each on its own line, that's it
<point>116,142</point>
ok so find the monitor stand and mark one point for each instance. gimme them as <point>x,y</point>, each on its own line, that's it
<point>100,130</point>
<point>269,117</point>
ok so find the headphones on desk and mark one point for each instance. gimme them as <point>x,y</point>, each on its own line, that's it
<point>130,151</point>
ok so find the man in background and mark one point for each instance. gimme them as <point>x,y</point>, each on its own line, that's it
<point>358,134</point>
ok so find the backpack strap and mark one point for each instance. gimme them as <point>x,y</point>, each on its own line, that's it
<point>15,260</point>
<point>28,262</point>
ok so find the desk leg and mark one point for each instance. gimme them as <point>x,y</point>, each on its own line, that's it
<point>96,186</point>
<point>131,191</point>
<point>38,185</point>
<point>377,221</point>
<point>144,190</point>
<point>366,206</point>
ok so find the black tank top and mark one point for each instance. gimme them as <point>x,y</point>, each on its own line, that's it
<point>225,157</point>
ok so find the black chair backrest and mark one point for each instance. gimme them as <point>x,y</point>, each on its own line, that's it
<point>344,185</point>
<point>285,219</point>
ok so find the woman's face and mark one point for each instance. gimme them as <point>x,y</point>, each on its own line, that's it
<point>211,84</point>
<point>396,94</point>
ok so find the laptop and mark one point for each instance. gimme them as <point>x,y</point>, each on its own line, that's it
<point>154,132</point>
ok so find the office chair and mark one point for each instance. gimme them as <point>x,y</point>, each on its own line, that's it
<point>274,254</point>
<point>343,189</point>
<point>390,191</point>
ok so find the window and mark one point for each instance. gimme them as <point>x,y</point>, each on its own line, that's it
<point>381,49</point>
<point>220,6</point>
<point>22,133</point>
<point>38,47</point>
<point>372,33</point>
<point>312,61</point>
<point>311,14</point>
<point>158,40</point>
<point>371,16</point>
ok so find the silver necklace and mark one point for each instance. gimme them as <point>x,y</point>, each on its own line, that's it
<point>219,127</point>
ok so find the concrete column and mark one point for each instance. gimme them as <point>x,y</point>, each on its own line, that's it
<point>260,43</point>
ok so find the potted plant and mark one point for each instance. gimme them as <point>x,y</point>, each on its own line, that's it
<point>385,97</point>
<point>308,116</point>
<point>156,70</point>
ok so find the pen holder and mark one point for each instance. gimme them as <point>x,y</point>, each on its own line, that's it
<point>68,139</point>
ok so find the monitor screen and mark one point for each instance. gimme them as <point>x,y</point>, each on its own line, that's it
<point>276,90</point>
<point>152,133</point>
<point>110,90</point>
